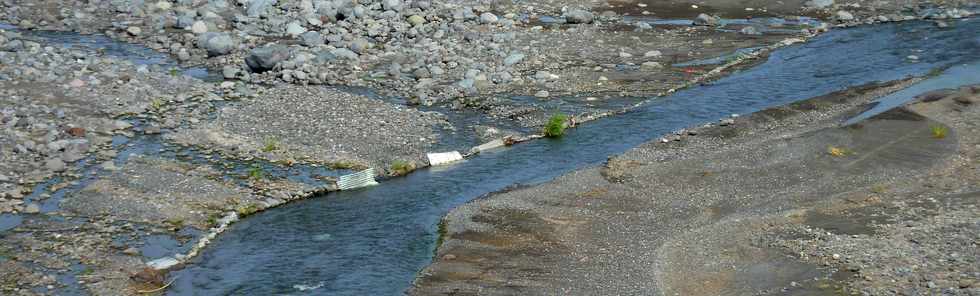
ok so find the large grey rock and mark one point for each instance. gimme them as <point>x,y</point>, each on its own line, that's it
<point>488,18</point>
<point>256,8</point>
<point>393,5</point>
<point>263,59</point>
<point>344,53</point>
<point>216,43</point>
<point>359,45</point>
<point>311,38</point>
<point>579,16</point>
<point>513,59</point>
<point>294,29</point>
<point>819,3</point>
<point>55,165</point>
<point>706,20</point>
<point>75,150</point>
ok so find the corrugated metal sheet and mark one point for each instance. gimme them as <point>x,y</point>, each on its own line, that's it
<point>357,180</point>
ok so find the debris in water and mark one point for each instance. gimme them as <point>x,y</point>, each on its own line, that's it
<point>303,287</point>
<point>444,157</point>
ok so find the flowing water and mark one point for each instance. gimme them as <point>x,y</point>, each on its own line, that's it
<point>373,241</point>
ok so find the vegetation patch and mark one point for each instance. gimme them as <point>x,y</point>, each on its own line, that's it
<point>442,231</point>
<point>938,131</point>
<point>270,144</point>
<point>246,210</point>
<point>345,165</point>
<point>838,151</point>
<point>156,104</point>
<point>555,126</point>
<point>256,173</point>
<point>176,223</point>
<point>401,167</point>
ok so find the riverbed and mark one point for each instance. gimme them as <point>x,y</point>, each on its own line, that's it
<point>372,241</point>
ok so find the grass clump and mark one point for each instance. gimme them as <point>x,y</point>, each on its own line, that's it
<point>401,167</point>
<point>156,104</point>
<point>442,231</point>
<point>938,131</point>
<point>270,145</point>
<point>176,223</point>
<point>345,165</point>
<point>255,172</point>
<point>837,151</point>
<point>555,126</point>
<point>247,210</point>
<point>213,218</point>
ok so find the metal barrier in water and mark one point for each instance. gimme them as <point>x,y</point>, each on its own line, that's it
<point>357,180</point>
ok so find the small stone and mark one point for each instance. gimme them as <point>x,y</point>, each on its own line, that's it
<point>579,16</point>
<point>131,251</point>
<point>199,27</point>
<point>652,54</point>
<point>706,20</point>
<point>229,72</point>
<point>216,43</point>
<point>311,38</point>
<point>135,31</point>
<point>488,18</point>
<point>650,66</point>
<point>449,257</point>
<point>513,59</point>
<point>750,30</point>
<point>294,29</point>
<point>542,94</point>
<point>55,165</point>
<point>913,57</point>
<point>844,15</point>
<point>109,166</point>
<point>625,55</point>
<point>416,20</point>
<point>163,5</point>
<point>32,208</point>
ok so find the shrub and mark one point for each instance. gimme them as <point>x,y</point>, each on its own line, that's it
<point>270,145</point>
<point>938,131</point>
<point>555,126</point>
<point>247,210</point>
<point>255,172</point>
<point>401,167</point>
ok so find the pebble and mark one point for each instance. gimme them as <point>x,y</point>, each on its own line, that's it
<point>542,94</point>
<point>135,31</point>
<point>32,208</point>
<point>488,18</point>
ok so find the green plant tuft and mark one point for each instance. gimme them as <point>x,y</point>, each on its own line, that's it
<point>247,210</point>
<point>256,172</point>
<point>555,126</point>
<point>271,144</point>
<point>401,167</point>
<point>938,131</point>
<point>156,104</point>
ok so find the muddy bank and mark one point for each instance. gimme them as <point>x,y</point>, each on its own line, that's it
<point>713,213</point>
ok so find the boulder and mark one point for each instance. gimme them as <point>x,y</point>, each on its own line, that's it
<point>578,16</point>
<point>706,20</point>
<point>216,43</point>
<point>262,59</point>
